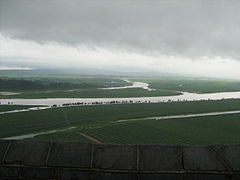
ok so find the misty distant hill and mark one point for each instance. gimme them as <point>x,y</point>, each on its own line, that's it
<point>20,84</point>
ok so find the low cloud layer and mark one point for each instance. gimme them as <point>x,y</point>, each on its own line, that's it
<point>8,68</point>
<point>56,55</point>
<point>173,33</point>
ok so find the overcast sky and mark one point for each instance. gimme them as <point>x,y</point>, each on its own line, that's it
<point>191,37</point>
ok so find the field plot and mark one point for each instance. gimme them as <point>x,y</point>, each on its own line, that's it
<point>64,136</point>
<point>13,107</point>
<point>100,122</point>
<point>222,129</point>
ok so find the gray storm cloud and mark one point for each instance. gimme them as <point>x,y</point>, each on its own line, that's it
<point>182,28</point>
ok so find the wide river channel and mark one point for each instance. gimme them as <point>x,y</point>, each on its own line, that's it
<point>185,96</point>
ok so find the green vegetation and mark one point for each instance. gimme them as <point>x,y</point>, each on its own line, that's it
<point>80,87</point>
<point>13,107</point>
<point>91,93</point>
<point>100,122</point>
<point>222,129</point>
<point>191,84</point>
<point>87,86</point>
<point>63,136</point>
<point>19,84</point>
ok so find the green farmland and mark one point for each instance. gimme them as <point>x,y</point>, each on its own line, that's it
<point>222,129</point>
<point>12,107</point>
<point>100,123</point>
<point>88,87</point>
<point>198,85</point>
<point>90,93</point>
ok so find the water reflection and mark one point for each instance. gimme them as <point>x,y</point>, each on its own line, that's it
<point>141,85</point>
<point>185,96</point>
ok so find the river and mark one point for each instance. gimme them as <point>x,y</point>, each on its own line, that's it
<point>185,96</point>
<point>141,85</point>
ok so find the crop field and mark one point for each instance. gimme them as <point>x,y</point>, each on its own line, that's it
<point>64,136</point>
<point>12,107</point>
<point>222,129</point>
<point>100,123</point>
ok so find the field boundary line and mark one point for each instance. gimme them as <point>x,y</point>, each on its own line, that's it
<point>181,116</point>
<point>91,138</point>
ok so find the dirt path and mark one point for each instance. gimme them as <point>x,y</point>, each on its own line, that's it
<point>182,116</point>
<point>32,135</point>
<point>91,138</point>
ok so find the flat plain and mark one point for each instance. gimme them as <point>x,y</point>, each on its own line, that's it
<point>100,122</point>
